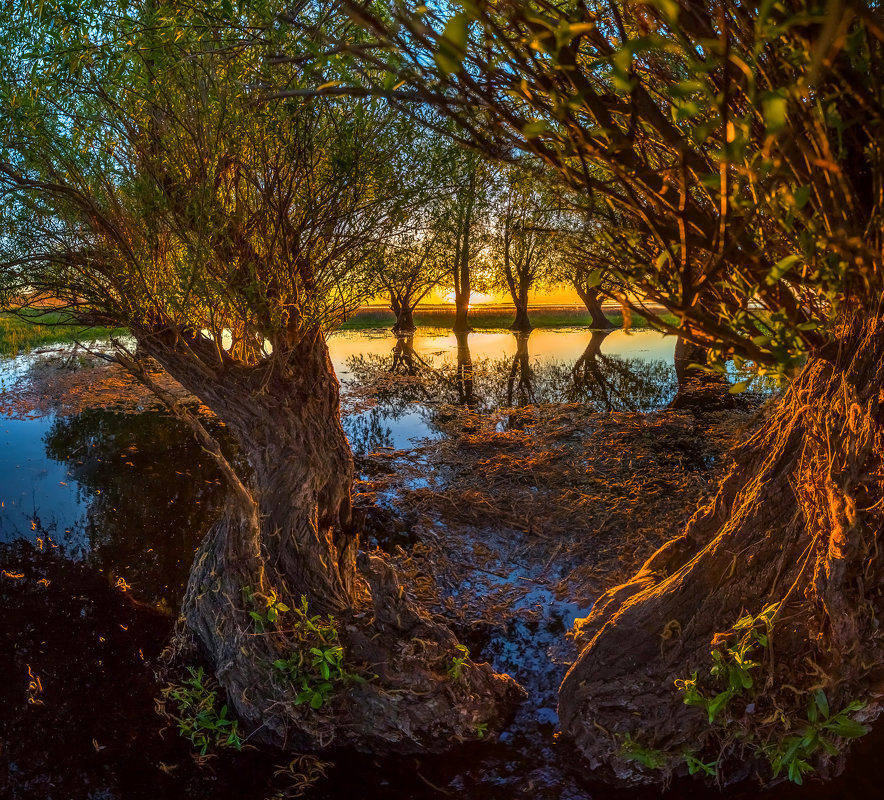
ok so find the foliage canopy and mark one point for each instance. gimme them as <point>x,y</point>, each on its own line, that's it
<point>741,143</point>
<point>144,185</point>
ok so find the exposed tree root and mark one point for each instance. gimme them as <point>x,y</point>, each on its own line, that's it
<point>415,690</point>
<point>796,524</point>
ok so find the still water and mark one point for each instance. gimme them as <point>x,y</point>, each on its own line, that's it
<point>107,509</point>
<point>486,371</point>
<point>99,476</point>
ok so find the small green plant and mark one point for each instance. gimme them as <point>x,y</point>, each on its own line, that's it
<point>736,657</point>
<point>793,754</point>
<point>455,668</point>
<point>733,663</point>
<point>317,667</point>
<point>695,765</point>
<point>481,729</point>
<point>198,716</point>
<point>270,609</point>
<point>648,757</point>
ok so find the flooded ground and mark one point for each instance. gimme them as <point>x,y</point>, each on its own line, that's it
<point>105,498</point>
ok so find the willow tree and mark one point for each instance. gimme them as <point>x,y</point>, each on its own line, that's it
<point>407,269</point>
<point>523,240</point>
<point>587,262</point>
<point>743,142</point>
<point>462,227</point>
<point>142,187</point>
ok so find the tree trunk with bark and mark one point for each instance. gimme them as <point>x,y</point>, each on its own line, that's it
<point>461,315</point>
<point>395,307</point>
<point>590,298</point>
<point>522,324</point>
<point>289,533</point>
<point>698,389</point>
<point>462,282</point>
<point>405,320</point>
<point>793,529</point>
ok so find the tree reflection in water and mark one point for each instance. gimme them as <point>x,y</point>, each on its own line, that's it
<point>150,493</point>
<point>463,376</point>
<point>609,383</point>
<point>405,360</point>
<point>405,383</point>
<point>519,387</point>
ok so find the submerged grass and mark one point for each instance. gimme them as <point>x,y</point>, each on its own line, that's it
<point>489,317</point>
<point>24,331</point>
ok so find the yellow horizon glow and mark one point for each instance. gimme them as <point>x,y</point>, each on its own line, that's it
<point>548,297</point>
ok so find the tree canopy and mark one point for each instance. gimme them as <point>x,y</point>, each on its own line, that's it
<point>142,183</point>
<point>740,142</point>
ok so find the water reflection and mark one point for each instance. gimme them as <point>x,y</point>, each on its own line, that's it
<point>147,493</point>
<point>520,386</point>
<point>133,493</point>
<point>610,383</point>
<point>405,360</point>
<point>412,387</point>
<point>464,374</point>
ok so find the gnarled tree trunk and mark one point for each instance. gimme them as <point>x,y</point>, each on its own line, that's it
<point>289,532</point>
<point>795,523</point>
<point>405,320</point>
<point>590,298</point>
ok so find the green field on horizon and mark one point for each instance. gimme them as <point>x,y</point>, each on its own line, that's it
<point>487,317</point>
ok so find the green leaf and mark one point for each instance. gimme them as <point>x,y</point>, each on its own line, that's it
<point>452,44</point>
<point>781,268</point>
<point>532,130</point>
<point>595,278</point>
<point>801,195</point>
<point>846,728</point>
<point>740,386</point>
<point>774,108</point>
<point>717,704</point>
<point>821,702</point>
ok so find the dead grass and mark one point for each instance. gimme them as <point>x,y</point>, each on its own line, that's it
<point>570,502</point>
